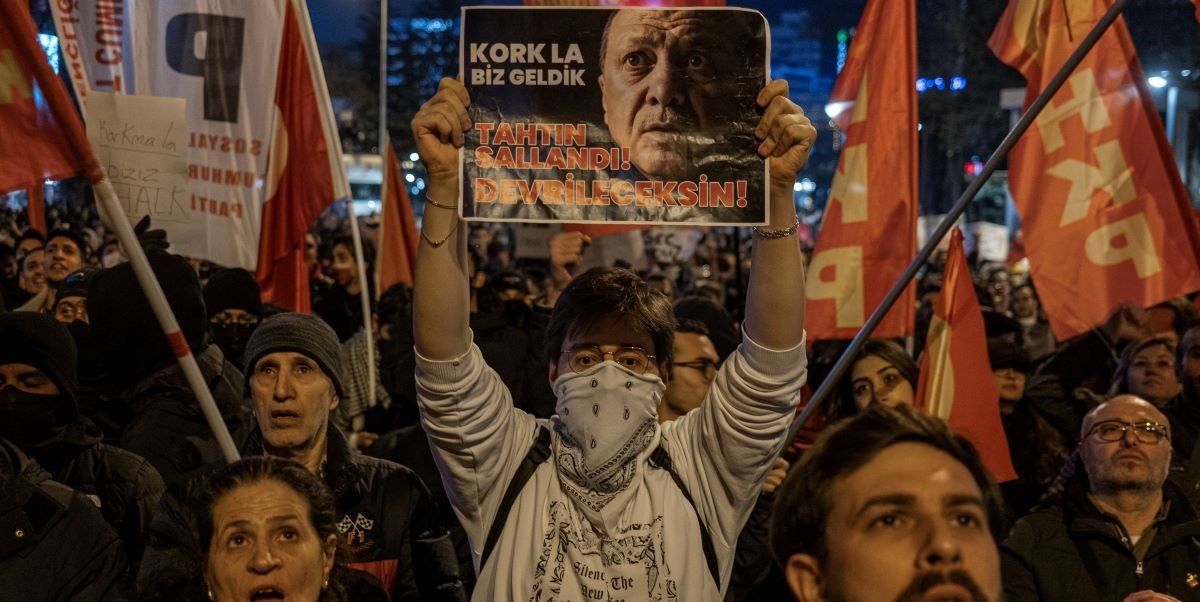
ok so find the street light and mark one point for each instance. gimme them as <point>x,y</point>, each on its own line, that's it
<point>1157,81</point>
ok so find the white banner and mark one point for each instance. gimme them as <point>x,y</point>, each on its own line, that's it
<point>221,55</point>
<point>95,42</point>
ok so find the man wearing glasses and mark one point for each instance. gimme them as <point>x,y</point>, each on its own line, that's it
<point>1121,531</point>
<point>600,502</point>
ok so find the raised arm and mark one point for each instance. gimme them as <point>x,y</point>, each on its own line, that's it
<point>441,293</point>
<point>775,303</point>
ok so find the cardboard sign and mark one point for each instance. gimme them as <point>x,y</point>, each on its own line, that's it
<point>141,144</point>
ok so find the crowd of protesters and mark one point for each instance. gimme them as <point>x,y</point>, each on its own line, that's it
<point>538,430</point>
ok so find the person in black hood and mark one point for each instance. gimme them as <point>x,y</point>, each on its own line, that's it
<point>147,405</point>
<point>38,412</point>
<point>233,301</point>
<point>54,546</point>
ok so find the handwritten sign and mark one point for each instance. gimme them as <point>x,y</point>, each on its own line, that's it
<point>140,141</point>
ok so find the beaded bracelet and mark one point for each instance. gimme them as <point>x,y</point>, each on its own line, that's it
<point>781,233</point>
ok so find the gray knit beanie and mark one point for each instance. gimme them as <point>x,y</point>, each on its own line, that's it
<point>299,333</point>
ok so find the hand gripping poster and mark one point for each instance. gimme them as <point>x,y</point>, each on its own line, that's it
<point>630,115</point>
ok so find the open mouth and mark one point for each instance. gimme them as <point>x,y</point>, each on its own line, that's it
<point>266,593</point>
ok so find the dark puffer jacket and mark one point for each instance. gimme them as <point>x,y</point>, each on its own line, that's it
<point>386,517</point>
<point>1073,551</point>
<point>159,419</point>
<point>124,485</point>
<point>54,545</point>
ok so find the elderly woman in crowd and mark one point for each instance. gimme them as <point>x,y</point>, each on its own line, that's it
<point>269,524</point>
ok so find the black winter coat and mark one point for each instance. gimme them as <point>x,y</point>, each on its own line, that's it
<point>386,517</point>
<point>159,419</point>
<point>54,545</point>
<point>124,485</point>
<point>1072,551</point>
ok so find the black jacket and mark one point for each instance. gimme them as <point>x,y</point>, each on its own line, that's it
<point>54,545</point>
<point>159,419</point>
<point>1073,551</point>
<point>386,517</point>
<point>124,485</point>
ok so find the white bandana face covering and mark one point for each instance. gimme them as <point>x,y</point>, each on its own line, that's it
<point>607,415</point>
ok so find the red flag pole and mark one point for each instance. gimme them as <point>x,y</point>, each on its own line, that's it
<point>960,206</point>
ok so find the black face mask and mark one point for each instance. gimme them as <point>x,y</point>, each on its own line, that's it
<point>91,354</point>
<point>28,419</point>
<point>232,339</point>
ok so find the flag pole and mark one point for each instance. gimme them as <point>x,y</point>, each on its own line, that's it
<point>364,280</point>
<point>993,162</point>
<point>166,318</point>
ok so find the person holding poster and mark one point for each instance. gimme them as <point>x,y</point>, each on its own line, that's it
<point>600,501</point>
<point>616,115</point>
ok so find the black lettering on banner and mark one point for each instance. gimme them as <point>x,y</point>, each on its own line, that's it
<point>221,65</point>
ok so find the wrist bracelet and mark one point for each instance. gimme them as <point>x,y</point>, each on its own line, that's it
<point>780,233</point>
<point>437,204</point>
<point>436,244</point>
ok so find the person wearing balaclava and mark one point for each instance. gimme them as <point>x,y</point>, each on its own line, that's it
<point>38,412</point>
<point>147,405</point>
<point>55,546</point>
<point>233,301</point>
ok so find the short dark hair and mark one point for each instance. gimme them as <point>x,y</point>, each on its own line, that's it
<point>690,326</point>
<point>805,498</point>
<point>885,350</point>
<point>605,293</point>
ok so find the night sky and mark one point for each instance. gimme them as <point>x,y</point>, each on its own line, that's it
<point>336,21</point>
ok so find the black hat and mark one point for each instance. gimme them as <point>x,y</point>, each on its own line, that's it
<point>75,284</point>
<point>299,333</point>
<point>1003,353</point>
<point>121,317</point>
<point>41,341</point>
<point>232,288</point>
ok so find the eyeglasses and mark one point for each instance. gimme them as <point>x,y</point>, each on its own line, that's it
<point>584,356</point>
<point>1114,430</point>
<point>706,366</point>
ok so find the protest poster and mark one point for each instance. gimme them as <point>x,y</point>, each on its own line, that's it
<point>673,244</point>
<point>95,44</point>
<point>224,56</point>
<point>533,240</point>
<point>141,144</point>
<point>593,115</point>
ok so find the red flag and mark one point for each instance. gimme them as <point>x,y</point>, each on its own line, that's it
<point>956,383</point>
<point>36,213</point>
<point>41,137</point>
<point>398,229</point>
<point>869,232</point>
<point>304,166</point>
<point>1105,214</point>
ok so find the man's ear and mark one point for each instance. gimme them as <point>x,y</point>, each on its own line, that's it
<point>803,575</point>
<point>553,372</point>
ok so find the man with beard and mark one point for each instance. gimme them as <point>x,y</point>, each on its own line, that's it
<point>1120,531</point>
<point>614,504</point>
<point>889,505</point>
